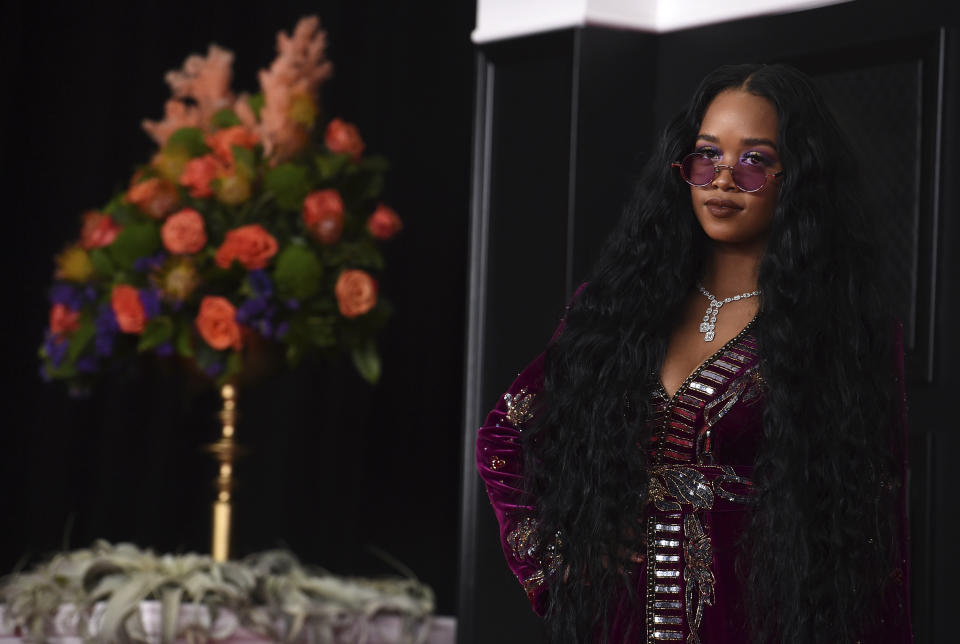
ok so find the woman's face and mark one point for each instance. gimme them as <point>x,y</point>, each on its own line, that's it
<point>738,126</point>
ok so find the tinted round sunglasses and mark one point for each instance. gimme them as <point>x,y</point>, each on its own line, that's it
<point>698,170</point>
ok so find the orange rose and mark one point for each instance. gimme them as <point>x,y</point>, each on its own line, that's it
<point>155,196</point>
<point>250,245</point>
<point>197,175</point>
<point>98,230</point>
<point>323,215</point>
<point>222,141</point>
<point>356,293</point>
<point>384,222</point>
<point>217,323</point>
<point>63,319</point>
<point>344,138</point>
<point>183,232</point>
<point>128,308</point>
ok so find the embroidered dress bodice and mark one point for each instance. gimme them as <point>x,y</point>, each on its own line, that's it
<point>704,442</point>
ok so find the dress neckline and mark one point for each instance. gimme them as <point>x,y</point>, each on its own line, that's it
<point>662,391</point>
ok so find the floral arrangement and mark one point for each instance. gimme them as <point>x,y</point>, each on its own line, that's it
<point>269,594</point>
<point>250,224</point>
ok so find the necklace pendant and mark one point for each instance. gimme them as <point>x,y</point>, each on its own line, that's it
<point>704,327</point>
<point>708,337</point>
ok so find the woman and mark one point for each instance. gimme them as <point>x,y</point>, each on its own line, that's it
<point>710,450</point>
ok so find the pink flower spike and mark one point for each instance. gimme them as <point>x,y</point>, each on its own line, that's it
<point>296,74</point>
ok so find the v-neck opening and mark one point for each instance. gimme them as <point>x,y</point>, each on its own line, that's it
<point>703,365</point>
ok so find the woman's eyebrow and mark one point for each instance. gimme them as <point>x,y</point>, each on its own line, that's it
<point>747,141</point>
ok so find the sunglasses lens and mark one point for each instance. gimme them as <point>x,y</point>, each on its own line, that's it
<point>697,170</point>
<point>749,178</point>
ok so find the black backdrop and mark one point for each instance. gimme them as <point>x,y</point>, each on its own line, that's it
<point>335,466</point>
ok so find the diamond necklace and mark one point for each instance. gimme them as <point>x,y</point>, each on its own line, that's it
<point>710,317</point>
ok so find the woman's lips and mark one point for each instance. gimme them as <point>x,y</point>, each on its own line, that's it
<point>722,207</point>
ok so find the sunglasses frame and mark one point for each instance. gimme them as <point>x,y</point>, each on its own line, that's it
<point>716,171</point>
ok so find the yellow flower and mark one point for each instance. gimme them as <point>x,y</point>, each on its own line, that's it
<point>74,264</point>
<point>170,161</point>
<point>234,189</point>
<point>303,109</point>
<point>178,279</point>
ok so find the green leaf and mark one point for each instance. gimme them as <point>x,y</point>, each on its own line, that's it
<point>289,184</point>
<point>375,164</point>
<point>134,241</point>
<point>373,188</point>
<point>256,102</point>
<point>298,272</point>
<point>330,165</point>
<point>233,368</point>
<point>190,139</point>
<point>157,331</point>
<point>125,214</point>
<point>244,157</point>
<point>367,361</point>
<point>117,200</point>
<point>101,261</point>
<point>184,342</point>
<point>225,118</point>
<point>320,331</point>
<point>81,338</point>
<point>294,354</point>
<point>361,254</point>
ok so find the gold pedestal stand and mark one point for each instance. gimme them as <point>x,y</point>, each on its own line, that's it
<point>224,450</point>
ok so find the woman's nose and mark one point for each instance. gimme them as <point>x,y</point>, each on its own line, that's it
<point>723,177</point>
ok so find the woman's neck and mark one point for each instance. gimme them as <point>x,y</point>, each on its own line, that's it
<point>732,271</point>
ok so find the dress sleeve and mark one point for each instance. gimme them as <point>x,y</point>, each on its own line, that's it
<point>500,464</point>
<point>500,461</point>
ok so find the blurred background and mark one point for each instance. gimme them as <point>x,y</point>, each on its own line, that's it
<point>334,466</point>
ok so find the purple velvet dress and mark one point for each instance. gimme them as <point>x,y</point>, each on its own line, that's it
<point>704,441</point>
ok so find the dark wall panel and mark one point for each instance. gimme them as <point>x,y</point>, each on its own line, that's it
<point>893,86</point>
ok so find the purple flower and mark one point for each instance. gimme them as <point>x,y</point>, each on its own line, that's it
<point>87,364</point>
<point>260,283</point>
<point>150,299</point>
<point>293,304</point>
<point>250,310</point>
<point>264,327</point>
<point>164,350</point>
<point>56,348</point>
<point>66,295</point>
<point>149,263</point>
<point>90,293</point>
<point>281,331</point>
<point>106,331</point>
<point>214,370</point>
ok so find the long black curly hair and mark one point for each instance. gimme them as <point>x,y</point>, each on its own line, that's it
<point>819,547</point>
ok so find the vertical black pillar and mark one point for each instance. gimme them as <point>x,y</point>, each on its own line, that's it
<point>559,132</point>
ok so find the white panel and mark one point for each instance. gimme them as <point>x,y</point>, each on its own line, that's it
<point>680,14</point>
<point>498,19</point>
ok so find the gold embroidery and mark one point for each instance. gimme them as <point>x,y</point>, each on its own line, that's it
<point>519,408</point>
<point>672,486</point>
<point>524,540</point>
<point>496,463</point>
<point>533,582</point>
<point>697,576</point>
<point>684,484</point>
